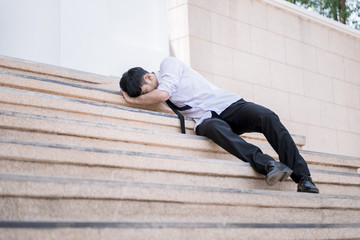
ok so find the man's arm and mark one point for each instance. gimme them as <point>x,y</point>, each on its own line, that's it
<point>152,97</point>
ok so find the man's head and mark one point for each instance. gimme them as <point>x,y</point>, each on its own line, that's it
<point>137,81</point>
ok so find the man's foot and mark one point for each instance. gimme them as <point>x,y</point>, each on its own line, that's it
<point>276,172</point>
<point>307,185</point>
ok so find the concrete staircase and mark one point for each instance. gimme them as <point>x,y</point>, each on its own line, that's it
<point>76,162</point>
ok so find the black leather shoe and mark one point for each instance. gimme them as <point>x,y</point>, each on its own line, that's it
<point>307,185</point>
<point>276,172</point>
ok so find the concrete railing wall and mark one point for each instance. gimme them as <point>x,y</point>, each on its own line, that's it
<point>303,66</point>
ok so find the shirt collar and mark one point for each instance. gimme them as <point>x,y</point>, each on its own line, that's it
<point>157,75</point>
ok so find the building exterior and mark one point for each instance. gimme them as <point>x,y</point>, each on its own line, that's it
<point>303,66</point>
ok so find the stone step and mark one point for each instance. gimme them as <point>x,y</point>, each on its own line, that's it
<point>116,145</point>
<point>124,117</point>
<point>112,210</point>
<point>104,163</point>
<point>176,230</point>
<point>84,109</point>
<point>130,205</point>
<point>76,89</point>
<point>88,129</point>
<point>15,64</point>
<point>30,186</point>
<point>188,153</point>
<point>109,132</point>
<point>87,107</point>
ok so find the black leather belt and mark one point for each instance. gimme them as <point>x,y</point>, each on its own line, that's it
<point>176,110</point>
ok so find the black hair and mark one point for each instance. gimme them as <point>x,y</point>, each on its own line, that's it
<point>132,81</point>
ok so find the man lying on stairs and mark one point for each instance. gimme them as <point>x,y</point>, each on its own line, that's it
<point>221,116</point>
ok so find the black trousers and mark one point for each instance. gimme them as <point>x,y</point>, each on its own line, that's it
<point>242,117</point>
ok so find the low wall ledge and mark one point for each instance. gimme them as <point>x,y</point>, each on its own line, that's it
<point>290,7</point>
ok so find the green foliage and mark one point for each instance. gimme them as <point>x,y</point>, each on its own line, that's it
<point>344,11</point>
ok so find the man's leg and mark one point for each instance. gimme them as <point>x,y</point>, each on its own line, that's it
<point>221,133</point>
<point>245,116</point>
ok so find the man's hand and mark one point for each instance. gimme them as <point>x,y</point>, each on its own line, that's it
<point>127,98</point>
<point>152,97</point>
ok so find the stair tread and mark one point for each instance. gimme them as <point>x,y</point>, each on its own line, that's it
<point>60,104</point>
<point>114,132</point>
<point>22,150</point>
<point>52,70</point>
<point>67,89</point>
<point>187,231</point>
<point>114,189</point>
<point>119,165</point>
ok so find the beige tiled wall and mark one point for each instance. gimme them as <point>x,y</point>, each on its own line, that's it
<point>304,67</point>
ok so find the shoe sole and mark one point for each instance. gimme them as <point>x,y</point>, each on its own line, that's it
<point>309,190</point>
<point>280,176</point>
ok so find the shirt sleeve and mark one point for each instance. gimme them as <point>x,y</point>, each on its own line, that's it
<point>171,70</point>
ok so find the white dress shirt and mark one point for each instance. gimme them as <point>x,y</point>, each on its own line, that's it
<point>187,87</point>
